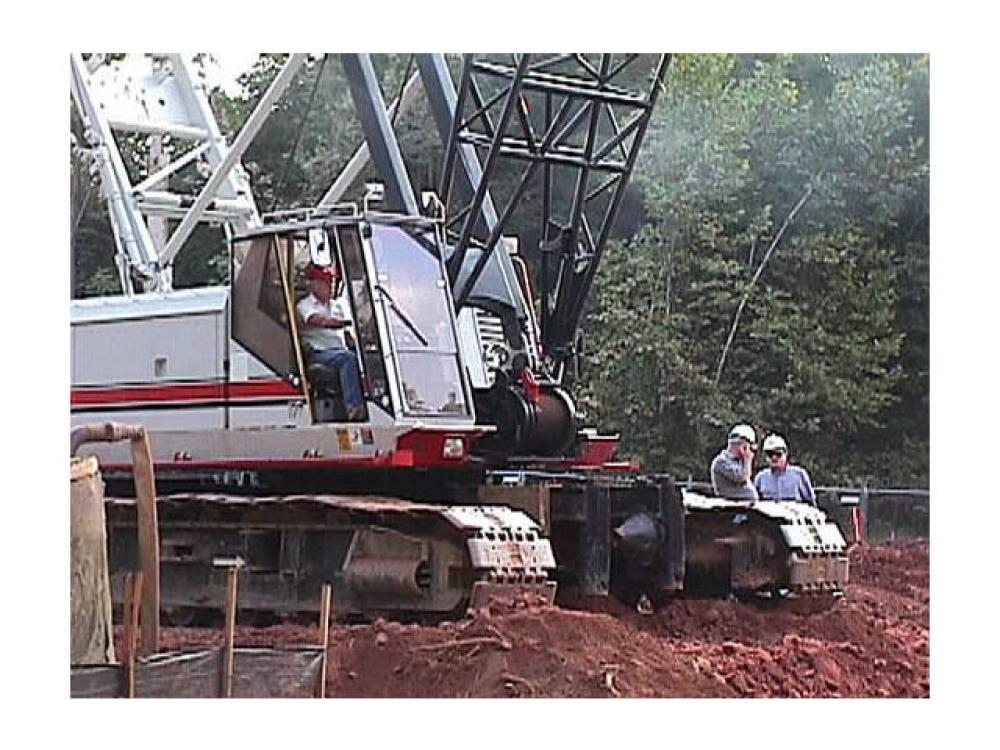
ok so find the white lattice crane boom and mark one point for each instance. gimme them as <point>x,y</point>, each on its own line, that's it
<point>160,95</point>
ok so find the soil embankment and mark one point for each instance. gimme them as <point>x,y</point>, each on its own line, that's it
<point>872,643</point>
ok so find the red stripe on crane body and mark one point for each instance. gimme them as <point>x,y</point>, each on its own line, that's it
<point>182,393</point>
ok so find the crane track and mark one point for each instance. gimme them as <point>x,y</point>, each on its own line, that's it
<point>779,548</point>
<point>383,556</point>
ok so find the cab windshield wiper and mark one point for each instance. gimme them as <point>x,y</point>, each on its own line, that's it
<point>402,315</point>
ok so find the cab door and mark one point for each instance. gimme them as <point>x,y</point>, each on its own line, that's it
<point>263,305</point>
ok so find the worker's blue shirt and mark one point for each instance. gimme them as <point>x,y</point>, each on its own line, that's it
<point>791,484</point>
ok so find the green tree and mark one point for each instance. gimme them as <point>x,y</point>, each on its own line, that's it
<point>816,351</point>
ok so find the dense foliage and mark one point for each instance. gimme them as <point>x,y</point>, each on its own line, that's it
<point>779,275</point>
<point>831,347</point>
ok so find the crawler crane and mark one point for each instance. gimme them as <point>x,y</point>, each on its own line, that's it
<point>472,474</point>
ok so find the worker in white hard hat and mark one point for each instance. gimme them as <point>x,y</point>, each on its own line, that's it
<point>732,469</point>
<point>780,480</point>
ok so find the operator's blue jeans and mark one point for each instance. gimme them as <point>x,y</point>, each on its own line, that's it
<point>346,364</point>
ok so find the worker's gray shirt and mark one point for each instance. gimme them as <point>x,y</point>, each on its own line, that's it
<point>731,477</point>
<point>791,484</point>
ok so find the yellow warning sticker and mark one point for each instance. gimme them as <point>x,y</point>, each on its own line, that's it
<point>344,440</point>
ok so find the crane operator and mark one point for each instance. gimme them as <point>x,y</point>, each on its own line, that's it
<point>324,320</point>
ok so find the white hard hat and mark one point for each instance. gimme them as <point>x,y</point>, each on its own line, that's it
<point>774,443</point>
<point>743,432</point>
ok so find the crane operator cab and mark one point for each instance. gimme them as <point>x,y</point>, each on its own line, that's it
<point>393,318</point>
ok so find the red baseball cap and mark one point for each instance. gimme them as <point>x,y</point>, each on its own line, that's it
<point>325,273</point>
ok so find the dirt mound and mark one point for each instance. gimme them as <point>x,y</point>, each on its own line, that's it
<point>874,642</point>
<point>901,567</point>
<point>511,649</point>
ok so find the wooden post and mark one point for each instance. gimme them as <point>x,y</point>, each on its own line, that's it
<point>133,593</point>
<point>865,505</point>
<point>149,541</point>
<point>228,662</point>
<point>326,603</point>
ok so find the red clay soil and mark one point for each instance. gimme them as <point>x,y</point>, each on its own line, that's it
<point>872,643</point>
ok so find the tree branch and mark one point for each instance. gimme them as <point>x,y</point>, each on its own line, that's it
<point>501,643</point>
<point>760,269</point>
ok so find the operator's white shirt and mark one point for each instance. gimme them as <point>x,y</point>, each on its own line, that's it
<point>317,337</point>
